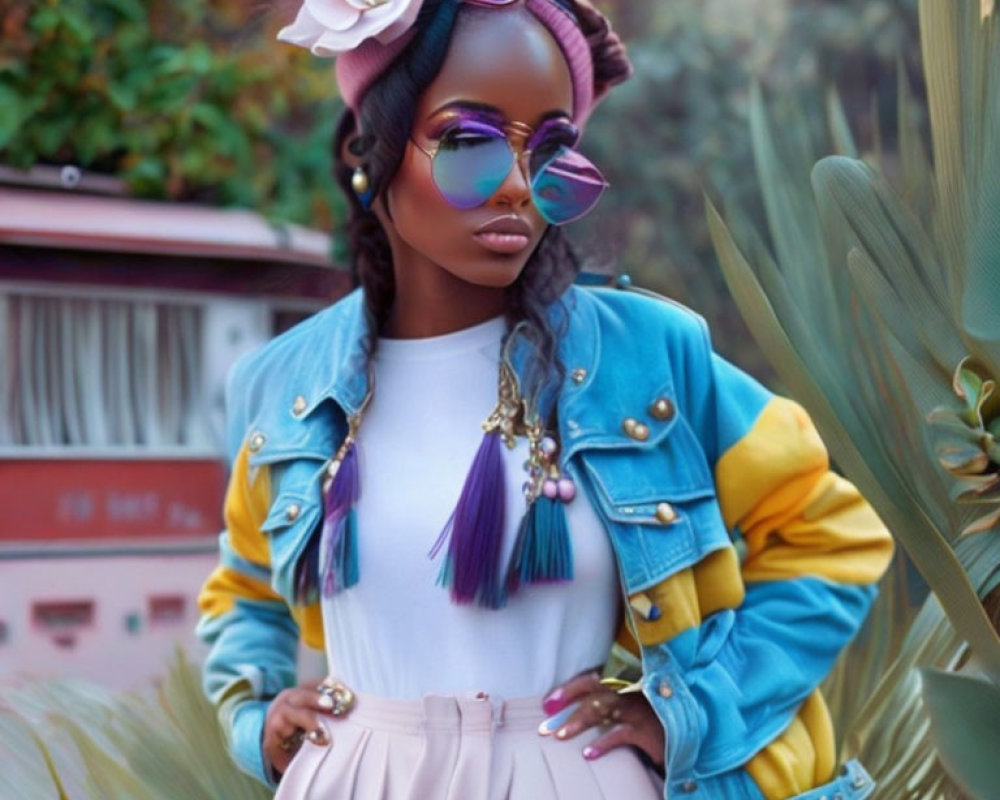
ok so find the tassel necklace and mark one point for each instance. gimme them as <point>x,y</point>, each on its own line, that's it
<point>471,569</point>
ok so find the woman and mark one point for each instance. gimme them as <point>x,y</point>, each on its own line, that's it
<point>467,610</point>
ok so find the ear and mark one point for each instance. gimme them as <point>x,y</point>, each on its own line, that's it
<point>349,150</point>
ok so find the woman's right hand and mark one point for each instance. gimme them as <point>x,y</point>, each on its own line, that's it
<point>293,715</point>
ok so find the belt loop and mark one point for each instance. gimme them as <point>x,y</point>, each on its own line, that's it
<point>499,711</point>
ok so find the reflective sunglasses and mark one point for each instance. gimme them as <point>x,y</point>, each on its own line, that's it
<point>471,157</point>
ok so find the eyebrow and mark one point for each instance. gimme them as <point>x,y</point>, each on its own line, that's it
<point>491,111</point>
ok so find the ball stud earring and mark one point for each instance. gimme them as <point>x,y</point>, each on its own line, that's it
<point>359,181</point>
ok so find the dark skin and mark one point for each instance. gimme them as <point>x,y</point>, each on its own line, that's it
<point>446,280</point>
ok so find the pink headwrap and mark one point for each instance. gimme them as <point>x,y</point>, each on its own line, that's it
<point>366,36</point>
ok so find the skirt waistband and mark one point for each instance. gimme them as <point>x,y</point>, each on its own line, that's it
<point>460,713</point>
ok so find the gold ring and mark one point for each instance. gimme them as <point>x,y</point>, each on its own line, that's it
<point>292,743</point>
<point>341,699</point>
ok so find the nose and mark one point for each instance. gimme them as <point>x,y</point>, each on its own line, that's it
<point>515,191</point>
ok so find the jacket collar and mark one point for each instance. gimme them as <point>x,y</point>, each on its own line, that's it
<point>343,377</point>
<point>345,380</point>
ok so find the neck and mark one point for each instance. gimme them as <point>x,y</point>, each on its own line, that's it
<point>430,301</point>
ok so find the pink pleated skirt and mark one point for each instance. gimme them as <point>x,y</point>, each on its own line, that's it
<point>458,748</point>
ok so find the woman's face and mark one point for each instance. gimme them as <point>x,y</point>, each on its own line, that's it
<point>503,66</point>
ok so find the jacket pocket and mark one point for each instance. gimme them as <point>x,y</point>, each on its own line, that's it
<point>853,783</point>
<point>293,517</point>
<point>659,503</point>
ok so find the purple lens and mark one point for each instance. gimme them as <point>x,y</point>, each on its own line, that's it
<point>471,165</point>
<point>566,187</point>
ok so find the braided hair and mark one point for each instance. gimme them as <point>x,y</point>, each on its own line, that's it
<point>389,107</point>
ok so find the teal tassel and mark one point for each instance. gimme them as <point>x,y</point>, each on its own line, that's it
<point>341,569</point>
<point>543,552</point>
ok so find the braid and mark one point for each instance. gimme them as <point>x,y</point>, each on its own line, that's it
<point>611,62</point>
<point>371,262</point>
<point>550,271</point>
<point>386,116</point>
<point>389,108</point>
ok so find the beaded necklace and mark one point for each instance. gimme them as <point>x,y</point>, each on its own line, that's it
<point>471,568</point>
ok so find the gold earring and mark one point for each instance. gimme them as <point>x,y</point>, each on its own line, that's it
<point>359,181</point>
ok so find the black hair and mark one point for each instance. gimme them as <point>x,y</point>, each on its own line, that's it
<point>386,115</point>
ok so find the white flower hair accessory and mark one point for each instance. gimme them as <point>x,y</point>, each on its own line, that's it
<point>328,28</point>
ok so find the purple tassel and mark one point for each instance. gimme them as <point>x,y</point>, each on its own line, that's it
<point>543,552</point>
<point>339,537</point>
<point>472,566</point>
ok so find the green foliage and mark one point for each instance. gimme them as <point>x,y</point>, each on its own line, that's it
<point>680,125</point>
<point>181,98</point>
<point>964,712</point>
<point>74,739</point>
<point>878,309</point>
<point>862,311</point>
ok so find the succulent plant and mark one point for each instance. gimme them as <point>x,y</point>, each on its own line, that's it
<point>968,444</point>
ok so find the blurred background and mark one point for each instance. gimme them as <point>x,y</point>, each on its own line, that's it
<point>166,204</point>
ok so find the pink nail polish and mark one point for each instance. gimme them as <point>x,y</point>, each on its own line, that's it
<point>554,702</point>
<point>590,753</point>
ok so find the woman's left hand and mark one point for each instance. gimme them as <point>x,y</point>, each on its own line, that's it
<point>630,718</point>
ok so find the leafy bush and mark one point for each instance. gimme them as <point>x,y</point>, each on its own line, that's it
<point>183,99</point>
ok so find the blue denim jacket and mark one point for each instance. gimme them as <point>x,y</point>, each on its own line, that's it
<point>745,563</point>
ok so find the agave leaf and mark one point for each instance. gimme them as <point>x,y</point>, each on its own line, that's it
<point>27,770</point>
<point>786,198</point>
<point>194,721</point>
<point>967,384</point>
<point>861,666</point>
<point>895,712</point>
<point>850,194</point>
<point>987,522</point>
<point>108,776</point>
<point>132,745</point>
<point>949,426</point>
<point>878,478</point>
<point>982,295</point>
<point>840,129</point>
<point>915,165</point>
<point>976,488</point>
<point>963,459</point>
<point>964,712</point>
<point>940,46</point>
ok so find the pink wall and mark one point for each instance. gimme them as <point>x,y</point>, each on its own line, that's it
<point>119,588</point>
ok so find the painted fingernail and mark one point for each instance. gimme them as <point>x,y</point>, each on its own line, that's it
<point>562,733</point>
<point>325,702</point>
<point>549,725</point>
<point>552,703</point>
<point>590,753</point>
<point>317,736</point>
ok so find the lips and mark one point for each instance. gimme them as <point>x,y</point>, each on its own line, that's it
<point>506,235</point>
<point>508,225</point>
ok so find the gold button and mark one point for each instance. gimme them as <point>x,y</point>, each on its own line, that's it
<point>666,690</point>
<point>299,406</point>
<point>662,409</point>
<point>579,375</point>
<point>636,429</point>
<point>293,511</point>
<point>665,513</point>
<point>257,441</point>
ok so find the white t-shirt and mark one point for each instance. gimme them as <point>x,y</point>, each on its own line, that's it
<point>397,633</point>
